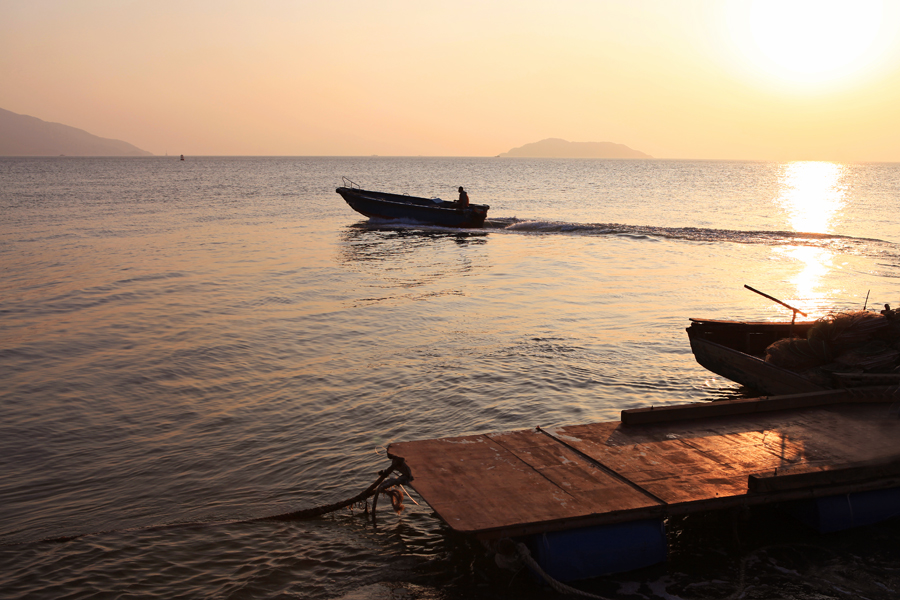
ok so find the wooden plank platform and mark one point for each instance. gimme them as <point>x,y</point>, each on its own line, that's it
<point>658,462</point>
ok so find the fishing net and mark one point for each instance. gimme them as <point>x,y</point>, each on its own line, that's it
<point>859,341</point>
<point>795,354</point>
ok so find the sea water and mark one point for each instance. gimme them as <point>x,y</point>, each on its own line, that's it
<point>198,343</point>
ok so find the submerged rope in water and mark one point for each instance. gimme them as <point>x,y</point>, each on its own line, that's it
<point>512,556</point>
<point>561,588</point>
<point>381,486</point>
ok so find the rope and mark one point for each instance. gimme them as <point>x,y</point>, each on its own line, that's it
<point>561,588</point>
<point>376,488</point>
<point>380,486</point>
<point>395,495</point>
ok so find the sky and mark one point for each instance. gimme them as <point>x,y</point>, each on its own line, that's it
<point>684,79</point>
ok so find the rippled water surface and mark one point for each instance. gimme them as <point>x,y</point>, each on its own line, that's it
<point>220,339</point>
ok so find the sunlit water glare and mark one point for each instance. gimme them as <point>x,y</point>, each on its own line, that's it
<point>813,195</point>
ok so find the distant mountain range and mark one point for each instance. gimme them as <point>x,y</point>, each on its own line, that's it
<point>21,135</point>
<point>557,148</point>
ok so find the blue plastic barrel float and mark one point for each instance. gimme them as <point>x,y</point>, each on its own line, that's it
<point>844,511</point>
<point>600,550</point>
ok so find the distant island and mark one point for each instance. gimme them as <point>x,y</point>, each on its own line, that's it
<point>557,148</point>
<point>21,135</point>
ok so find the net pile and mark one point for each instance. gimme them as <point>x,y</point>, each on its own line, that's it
<point>847,342</point>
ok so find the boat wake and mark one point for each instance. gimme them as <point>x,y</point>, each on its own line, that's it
<point>693,234</point>
<point>884,250</point>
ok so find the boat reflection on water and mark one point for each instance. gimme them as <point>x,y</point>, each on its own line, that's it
<point>367,241</point>
<point>421,264</point>
<point>391,257</point>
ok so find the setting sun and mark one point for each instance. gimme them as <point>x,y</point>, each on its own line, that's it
<point>809,41</point>
<point>809,37</point>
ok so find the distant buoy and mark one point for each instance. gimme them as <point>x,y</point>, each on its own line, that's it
<point>182,157</point>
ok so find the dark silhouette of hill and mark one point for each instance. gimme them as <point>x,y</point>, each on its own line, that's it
<point>557,148</point>
<point>21,135</point>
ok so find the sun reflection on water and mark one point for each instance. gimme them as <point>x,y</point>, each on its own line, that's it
<point>812,196</point>
<point>814,265</point>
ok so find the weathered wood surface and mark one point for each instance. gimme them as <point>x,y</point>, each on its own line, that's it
<point>519,482</point>
<point>480,482</point>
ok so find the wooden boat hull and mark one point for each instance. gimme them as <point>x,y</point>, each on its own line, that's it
<point>749,370</point>
<point>735,350</point>
<point>399,207</point>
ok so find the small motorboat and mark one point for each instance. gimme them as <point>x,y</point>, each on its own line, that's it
<point>401,207</point>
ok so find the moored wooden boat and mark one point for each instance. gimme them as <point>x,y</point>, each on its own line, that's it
<point>736,350</point>
<point>401,207</point>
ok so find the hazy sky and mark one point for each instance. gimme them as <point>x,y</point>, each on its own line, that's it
<point>782,80</point>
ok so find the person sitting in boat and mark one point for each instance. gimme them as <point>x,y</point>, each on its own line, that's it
<point>463,198</point>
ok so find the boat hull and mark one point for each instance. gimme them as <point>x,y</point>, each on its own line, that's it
<point>735,350</point>
<point>398,207</point>
<point>749,370</point>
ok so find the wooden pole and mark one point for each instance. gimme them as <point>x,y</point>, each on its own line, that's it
<point>796,310</point>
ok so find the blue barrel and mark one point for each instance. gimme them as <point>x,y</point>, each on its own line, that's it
<point>835,513</point>
<point>600,550</point>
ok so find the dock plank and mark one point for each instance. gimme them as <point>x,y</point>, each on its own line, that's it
<point>508,479</point>
<point>580,480</point>
<point>671,469</point>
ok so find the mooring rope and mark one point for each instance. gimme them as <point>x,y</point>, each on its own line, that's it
<point>512,555</point>
<point>382,485</point>
<point>561,588</point>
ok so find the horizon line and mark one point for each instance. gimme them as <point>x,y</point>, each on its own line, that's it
<point>177,156</point>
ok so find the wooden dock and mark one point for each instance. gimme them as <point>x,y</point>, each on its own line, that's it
<point>660,461</point>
